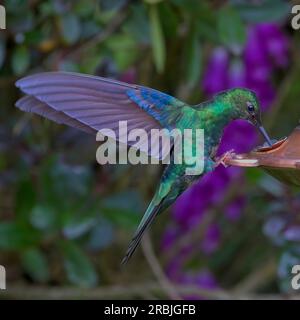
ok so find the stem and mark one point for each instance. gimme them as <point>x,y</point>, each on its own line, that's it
<point>125,291</point>
<point>157,269</point>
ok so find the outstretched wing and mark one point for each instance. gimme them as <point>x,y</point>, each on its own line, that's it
<point>93,103</point>
<point>32,104</point>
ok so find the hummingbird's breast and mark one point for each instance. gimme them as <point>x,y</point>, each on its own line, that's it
<point>213,120</point>
<point>212,131</point>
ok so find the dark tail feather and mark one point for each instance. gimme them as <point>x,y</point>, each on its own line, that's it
<point>149,217</point>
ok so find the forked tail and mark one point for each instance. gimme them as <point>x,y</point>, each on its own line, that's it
<point>149,216</point>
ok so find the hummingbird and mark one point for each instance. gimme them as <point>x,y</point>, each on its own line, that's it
<point>91,103</point>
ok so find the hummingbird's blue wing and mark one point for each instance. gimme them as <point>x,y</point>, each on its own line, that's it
<point>93,103</point>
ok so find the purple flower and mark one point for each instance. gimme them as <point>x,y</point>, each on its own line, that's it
<point>239,135</point>
<point>266,50</point>
<point>236,74</point>
<point>212,239</point>
<point>256,57</point>
<point>128,76</point>
<point>264,91</point>
<point>292,233</point>
<point>215,78</point>
<point>282,227</point>
<point>169,237</point>
<point>275,42</point>
<point>203,279</point>
<point>191,205</point>
<point>174,269</point>
<point>234,210</point>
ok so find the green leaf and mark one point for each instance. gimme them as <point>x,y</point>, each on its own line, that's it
<point>123,47</point>
<point>101,236</point>
<point>170,21</point>
<point>84,8</point>
<point>43,217</point>
<point>137,25</point>
<point>70,26</point>
<point>64,186</point>
<point>288,259</point>
<point>15,237</point>
<point>197,9</point>
<point>113,5</point>
<point>47,9</point>
<point>263,11</point>
<point>153,1</point>
<point>2,52</point>
<point>21,20</point>
<point>34,37</point>
<point>271,186</point>
<point>231,29</point>
<point>79,269</point>
<point>157,38</point>
<point>14,6</point>
<point>193,58</point>
<point>89,29</point>
<point>253,175</point>
<point>20,60</point>
<point>35,265</point>
<point>123,209</point>
<point>92,61</point>
<point>25,199</point>
<point>123,218</point>
<point>76,226</point>
<point>69,66</point>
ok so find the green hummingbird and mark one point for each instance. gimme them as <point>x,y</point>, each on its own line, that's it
<point>92,103</point>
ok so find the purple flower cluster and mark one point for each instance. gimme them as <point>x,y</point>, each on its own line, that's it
<point>204,279</point>
<point>266,50</point>
<point>283,226</point>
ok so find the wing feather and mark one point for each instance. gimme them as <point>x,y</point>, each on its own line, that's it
<point>31,104</point>
<point>93,103</point>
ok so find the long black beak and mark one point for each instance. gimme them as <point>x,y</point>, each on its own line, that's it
<point>255,119</point>
<point>264,133</point>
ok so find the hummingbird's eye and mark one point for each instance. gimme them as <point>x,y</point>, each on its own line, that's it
<point>250,107</point>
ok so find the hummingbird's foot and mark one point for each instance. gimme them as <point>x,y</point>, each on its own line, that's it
<point>224,158</point>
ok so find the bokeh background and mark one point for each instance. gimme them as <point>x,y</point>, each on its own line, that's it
<point>65,221</point>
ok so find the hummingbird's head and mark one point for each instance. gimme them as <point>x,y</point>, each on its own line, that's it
<point>245,105</point>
